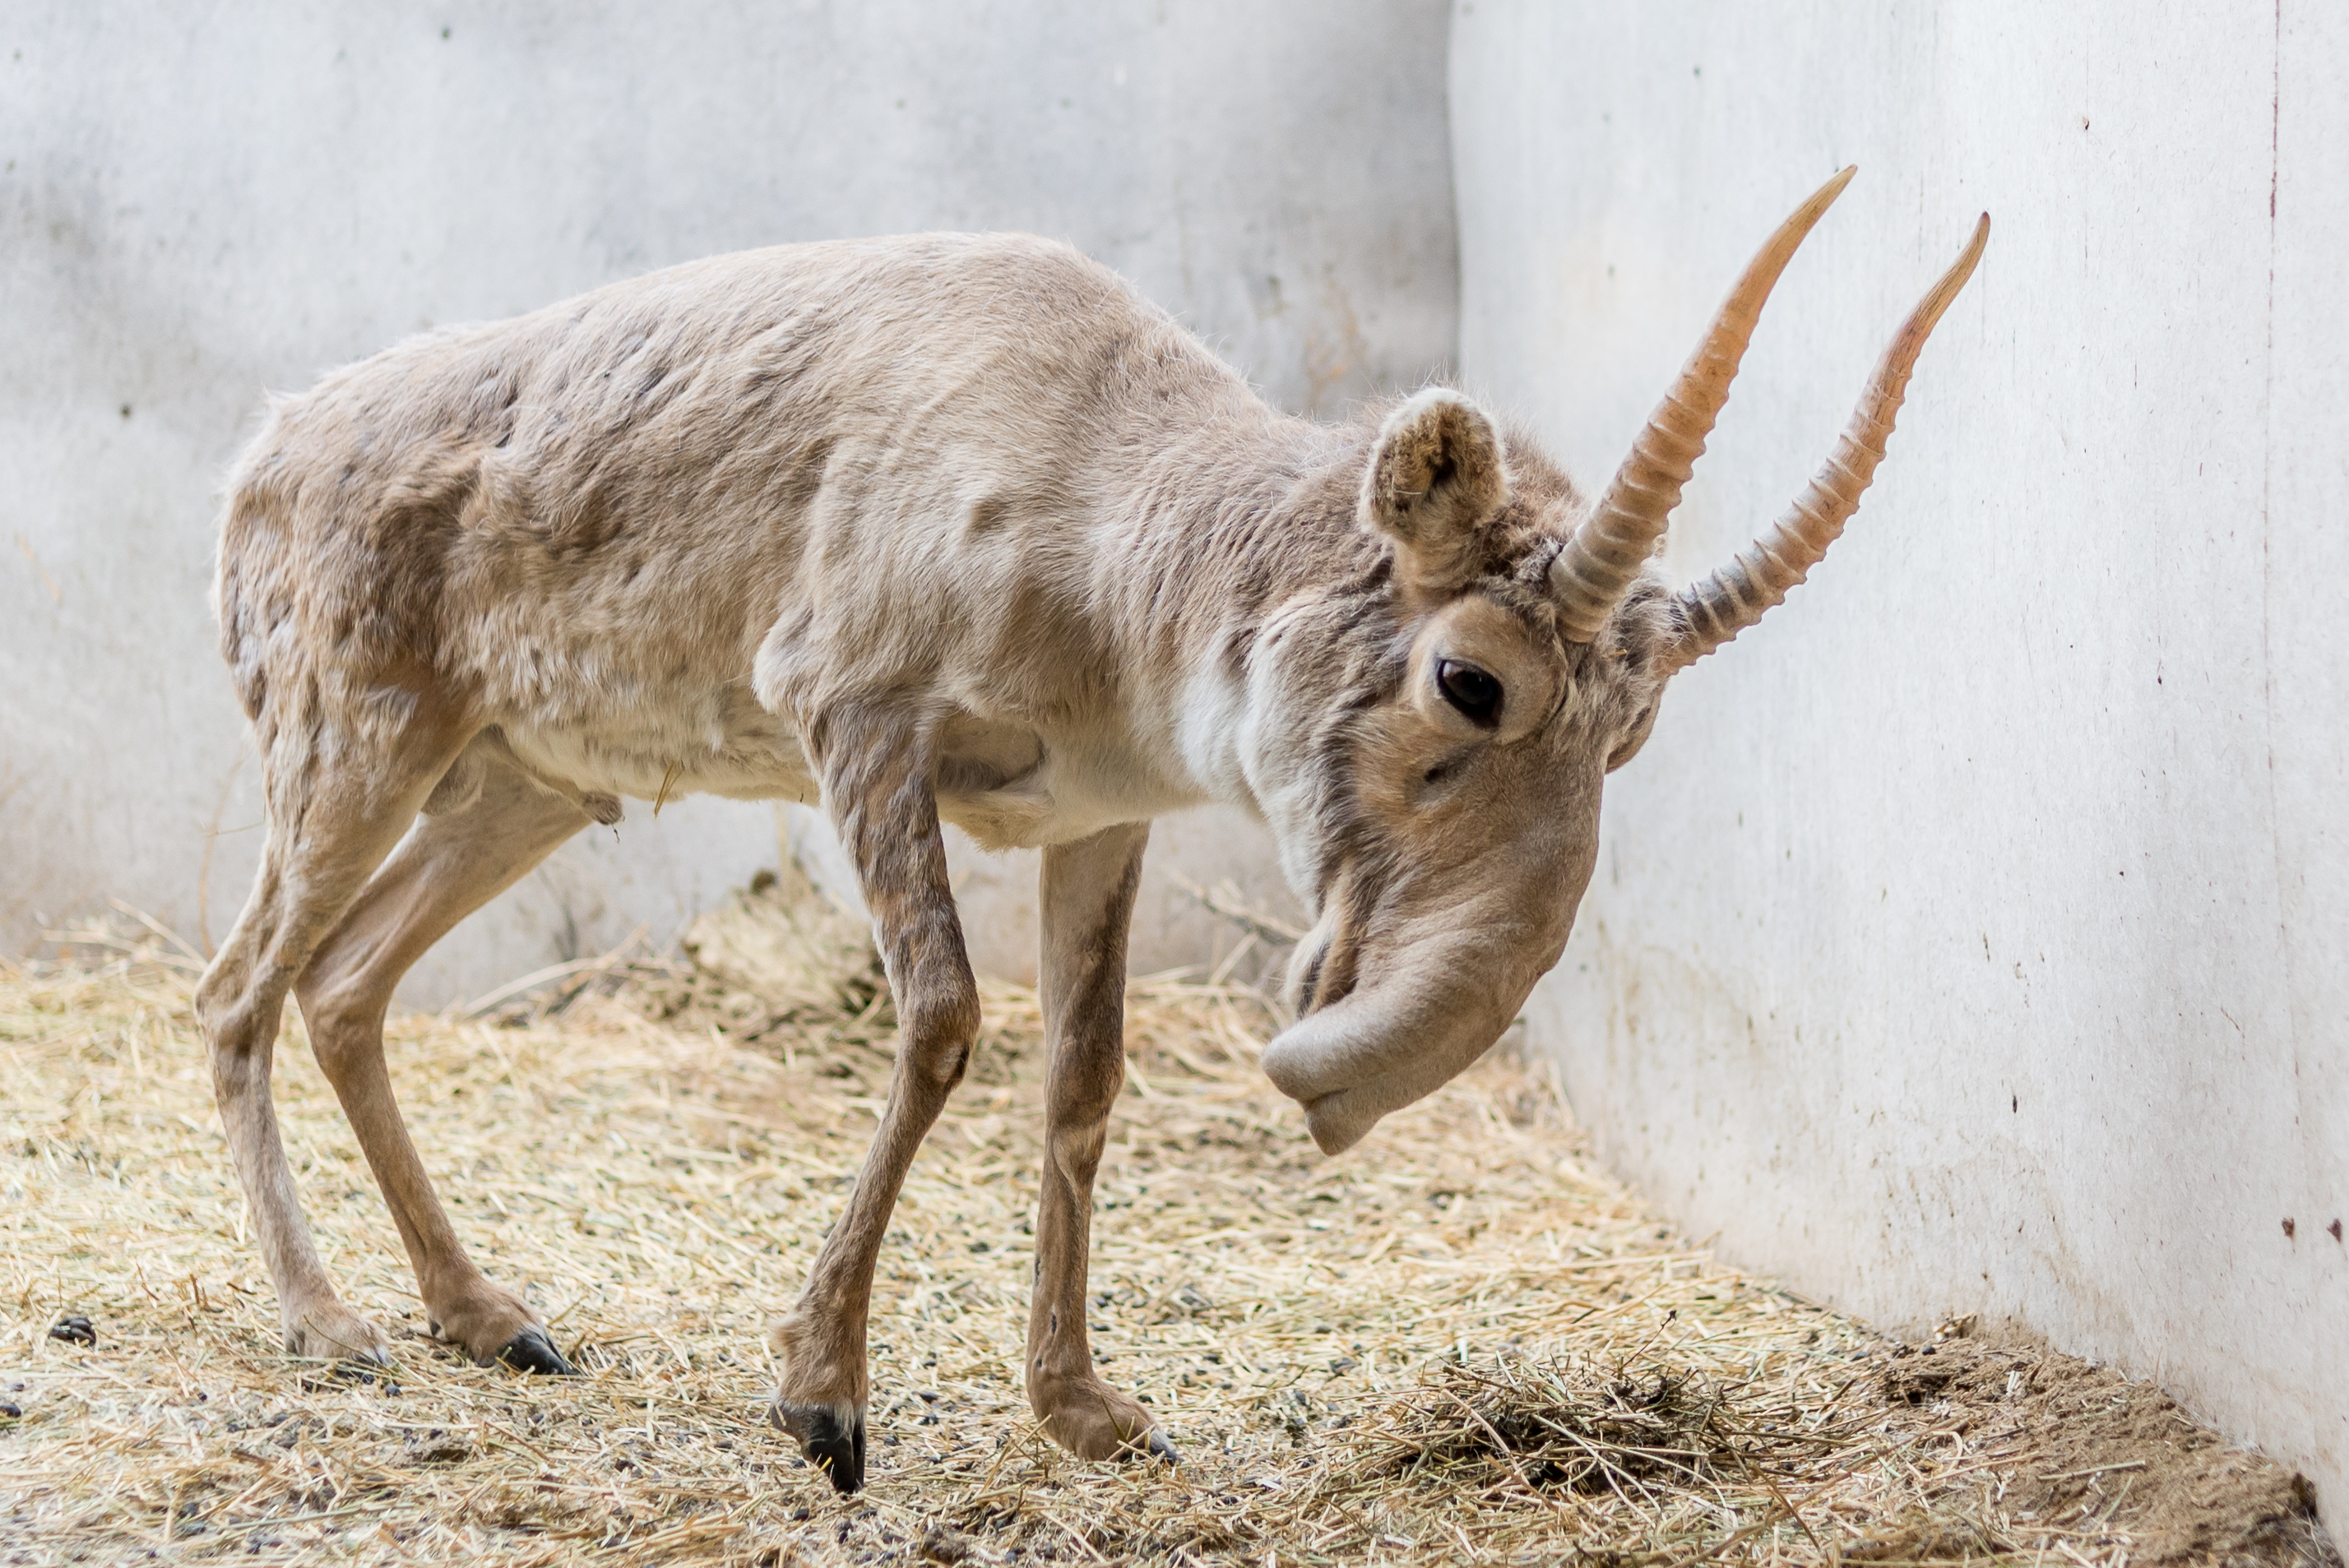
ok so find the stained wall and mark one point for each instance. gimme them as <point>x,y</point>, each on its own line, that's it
<point>1968,938</point>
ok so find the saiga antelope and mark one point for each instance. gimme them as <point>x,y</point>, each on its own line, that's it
<point>944,528</point>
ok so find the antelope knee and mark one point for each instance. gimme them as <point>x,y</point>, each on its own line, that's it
<point>1084,1093</point>
<point>1077,1150</point>
<point>236,1024</point>
<point>939,1025</point>
<point>343,1021</point>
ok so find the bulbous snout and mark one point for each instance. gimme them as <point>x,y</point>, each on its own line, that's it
<point>1403,1031</point>
<point>1420,959</point>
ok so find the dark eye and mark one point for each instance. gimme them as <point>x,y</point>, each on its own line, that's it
<point>1476,694</point>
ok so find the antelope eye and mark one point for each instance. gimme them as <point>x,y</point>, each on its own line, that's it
<point>1476,695</point>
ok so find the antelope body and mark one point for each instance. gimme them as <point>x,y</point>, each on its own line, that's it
<point>951,528</point>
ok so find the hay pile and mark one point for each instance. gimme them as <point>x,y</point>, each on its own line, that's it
<point>1458,1345</point>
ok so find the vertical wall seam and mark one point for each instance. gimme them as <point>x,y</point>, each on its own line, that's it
<point>2279,866</point>
<point>2266,500</point>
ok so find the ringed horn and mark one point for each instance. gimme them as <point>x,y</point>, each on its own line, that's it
<point>1608,547</point>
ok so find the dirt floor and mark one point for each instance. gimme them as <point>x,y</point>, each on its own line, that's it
<point>1457,1343</point>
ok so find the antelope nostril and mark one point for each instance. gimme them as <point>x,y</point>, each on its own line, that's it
<point>1302,1001</point>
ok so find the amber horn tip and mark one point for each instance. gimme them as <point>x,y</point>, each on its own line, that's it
<point>1928,313</point>
<point>1822,198</point>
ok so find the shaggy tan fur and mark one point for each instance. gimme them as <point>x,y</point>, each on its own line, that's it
<point>940,528</point>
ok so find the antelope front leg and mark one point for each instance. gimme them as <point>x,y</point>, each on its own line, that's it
<point>1088,901</point>
<point>877,782</point>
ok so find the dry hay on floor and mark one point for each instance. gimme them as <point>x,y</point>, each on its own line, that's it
<point>1455,1345</point>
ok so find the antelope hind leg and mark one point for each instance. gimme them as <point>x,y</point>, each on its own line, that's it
<point>1088,902</point>
<point>331,823</point>
<point>877,783</point>
<point>447,868</point>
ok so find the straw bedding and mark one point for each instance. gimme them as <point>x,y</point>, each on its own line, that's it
<point>1458,1345</point>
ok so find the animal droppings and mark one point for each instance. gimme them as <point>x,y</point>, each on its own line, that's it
<point>73,1329</point>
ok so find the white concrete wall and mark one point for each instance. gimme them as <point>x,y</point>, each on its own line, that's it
<point>200,202</point>
<point>1969,937</point>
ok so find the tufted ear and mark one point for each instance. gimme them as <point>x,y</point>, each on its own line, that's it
<point>1435,476</point>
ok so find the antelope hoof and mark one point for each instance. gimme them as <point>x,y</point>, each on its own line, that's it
<point>493,1327</point>
<point>332,1332</point>
<point>531,1351</point>
<point>1095,1421</point>
<point>830,1437</point>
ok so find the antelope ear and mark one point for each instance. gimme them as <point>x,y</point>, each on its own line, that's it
<point>1435,476</point>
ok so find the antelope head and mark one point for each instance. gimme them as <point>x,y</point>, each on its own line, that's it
<point>1430,748</point>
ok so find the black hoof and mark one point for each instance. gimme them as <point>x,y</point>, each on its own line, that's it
<point>1162,1450</point>
<point>824,1442</point>
<point>532,1351</point>
<point>73,1329</point>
